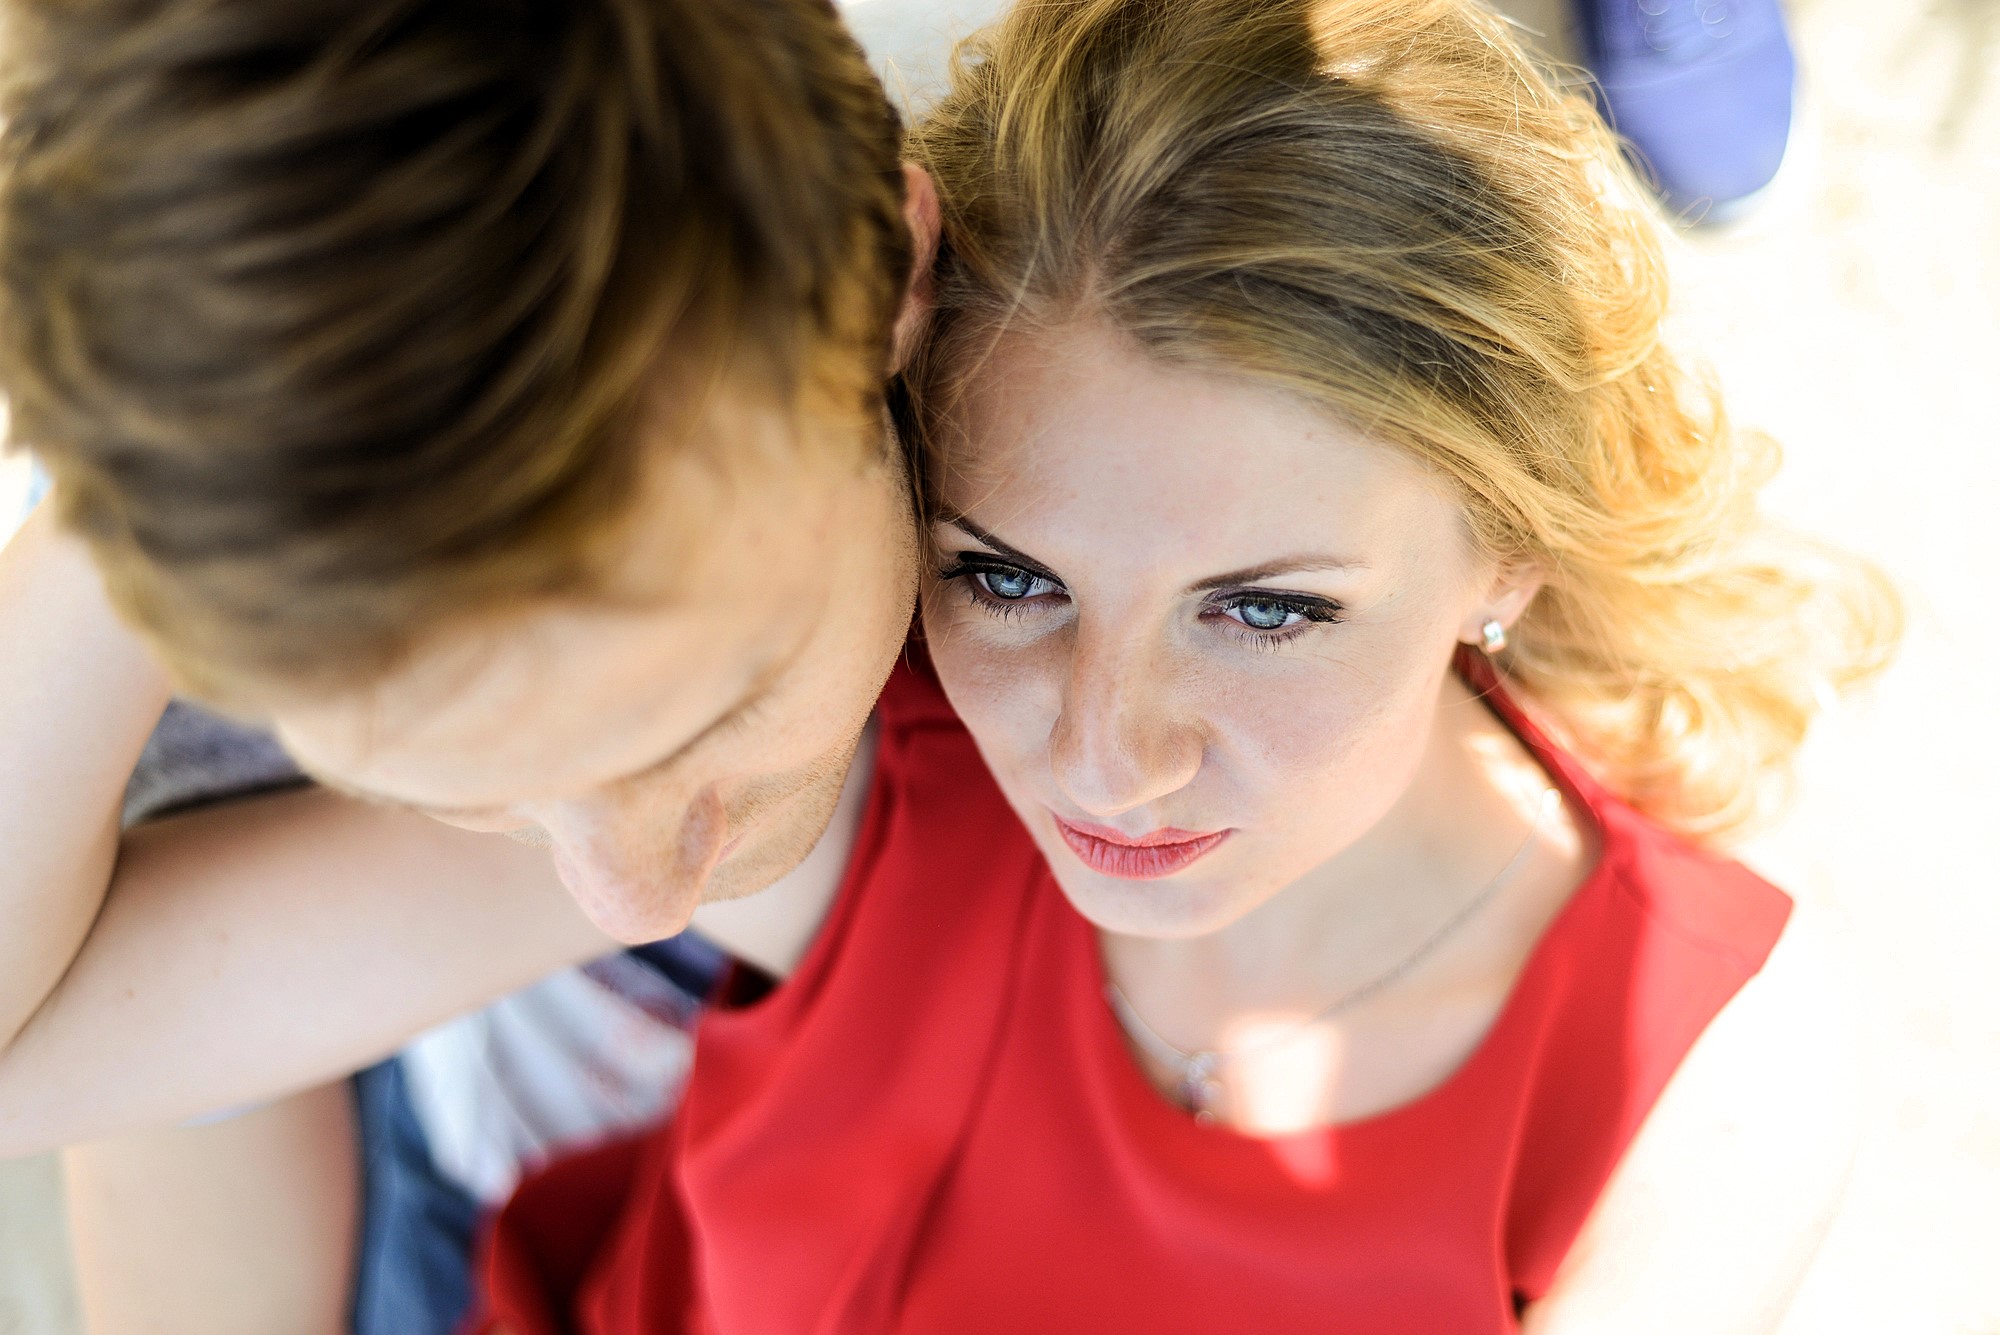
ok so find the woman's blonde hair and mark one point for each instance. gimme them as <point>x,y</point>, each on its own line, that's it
<point>1383,207</point>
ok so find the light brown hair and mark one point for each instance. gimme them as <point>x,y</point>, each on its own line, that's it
<point>1384,208</point>
<point>335,319</point>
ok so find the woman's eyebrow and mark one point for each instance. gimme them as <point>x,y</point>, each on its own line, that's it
<point>1304,564</point>
<point>1012,553</point>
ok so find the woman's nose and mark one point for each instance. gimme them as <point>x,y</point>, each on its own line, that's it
<point>1121,741</point>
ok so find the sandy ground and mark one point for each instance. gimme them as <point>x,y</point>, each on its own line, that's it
<point>1857,317</point>
<point>1856,320</point>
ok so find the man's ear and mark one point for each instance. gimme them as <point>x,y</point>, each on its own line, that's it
<point>920,211</point>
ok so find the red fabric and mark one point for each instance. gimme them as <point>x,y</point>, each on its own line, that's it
<point>934,1127</point>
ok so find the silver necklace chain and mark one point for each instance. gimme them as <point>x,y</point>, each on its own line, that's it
<point>1197,1083</point>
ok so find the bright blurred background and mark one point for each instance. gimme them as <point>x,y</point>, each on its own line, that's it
<point>1856,317</point>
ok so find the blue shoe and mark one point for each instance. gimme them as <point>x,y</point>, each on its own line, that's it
<point>1701,89</point>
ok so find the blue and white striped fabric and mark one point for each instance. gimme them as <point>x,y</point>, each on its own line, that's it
<point>18,502</point>
<point>38,487</point>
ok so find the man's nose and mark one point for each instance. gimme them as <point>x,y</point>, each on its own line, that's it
<point>635,864</point>
<point>1121,740</point>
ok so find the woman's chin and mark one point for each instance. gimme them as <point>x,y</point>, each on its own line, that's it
<point>1165,908</point>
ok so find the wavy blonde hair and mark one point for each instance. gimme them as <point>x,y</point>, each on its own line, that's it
<point>1384,208</point>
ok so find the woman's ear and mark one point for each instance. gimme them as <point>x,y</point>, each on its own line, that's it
<point>920,212</point>
<point>1513,588</point>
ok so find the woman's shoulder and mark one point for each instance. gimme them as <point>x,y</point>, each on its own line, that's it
<point>1700,1001</point>
<point>1705,898</point>
<point>1694,896</point>
<point>1763,1113</point>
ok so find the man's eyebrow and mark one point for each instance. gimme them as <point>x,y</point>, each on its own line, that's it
<point>753,696</point>
<point>1012,553</point>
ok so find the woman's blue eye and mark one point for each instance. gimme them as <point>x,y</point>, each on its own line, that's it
<point>1009,584</point>
<point>1001,587</point>
<point>1262,615</point>
<point>1274,617</point>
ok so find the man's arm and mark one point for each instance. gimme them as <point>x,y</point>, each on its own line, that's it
<point>243,1227</point>
<point>78,697</point>
<point>238,952</point>
<point>253,949</point>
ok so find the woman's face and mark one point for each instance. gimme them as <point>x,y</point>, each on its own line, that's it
<point>1199,631</point>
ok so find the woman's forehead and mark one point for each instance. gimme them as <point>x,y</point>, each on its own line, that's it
<point>1084,435</point>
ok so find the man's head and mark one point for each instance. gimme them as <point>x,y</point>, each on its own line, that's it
<point>669,752</point>
<point>489,392</point>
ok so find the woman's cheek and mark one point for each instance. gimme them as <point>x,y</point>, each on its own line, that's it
<point>993,686</point>
<point>1327,742</point>
<point>1291,734</point>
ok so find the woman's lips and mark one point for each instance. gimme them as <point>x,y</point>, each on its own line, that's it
<point>1146,858</point>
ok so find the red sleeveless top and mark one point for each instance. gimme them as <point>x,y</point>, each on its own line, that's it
<point>935,1128</point>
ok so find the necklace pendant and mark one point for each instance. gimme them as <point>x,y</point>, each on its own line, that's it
<point>1199,1091</point>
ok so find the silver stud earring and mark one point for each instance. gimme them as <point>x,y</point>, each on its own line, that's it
<point>1492,637</point>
